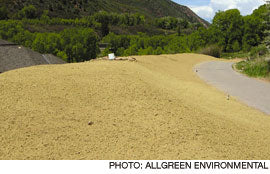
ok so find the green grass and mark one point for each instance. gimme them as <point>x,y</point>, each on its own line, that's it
<point>254,68</point>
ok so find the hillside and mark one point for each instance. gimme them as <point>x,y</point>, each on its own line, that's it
<point>155,108</point>
<point>75,8</point>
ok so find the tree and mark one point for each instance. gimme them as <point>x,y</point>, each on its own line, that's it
<point>178,29</point>
<point>103,18</point>
<point>227,28</point>
<point>44,17</point>
<point>267,31</point>
<point>3,13</point>
<point>184,23</point>
<point>29,12</point>
<point>79,44</point>
<point>236,46</point>
<point>62,55</point>
<point>253,31</point>
<point>39,43</point>
<point>78,52</point>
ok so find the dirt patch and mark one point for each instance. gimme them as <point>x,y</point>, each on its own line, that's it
<point>154,108</point>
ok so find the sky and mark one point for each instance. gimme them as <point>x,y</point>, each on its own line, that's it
<point>206,9</point>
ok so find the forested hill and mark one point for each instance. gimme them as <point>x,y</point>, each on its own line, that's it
<point>79,8</point>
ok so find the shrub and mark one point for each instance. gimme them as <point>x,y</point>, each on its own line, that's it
<point>260,50</point>
<point>212,50</point>
<point>62,55</point>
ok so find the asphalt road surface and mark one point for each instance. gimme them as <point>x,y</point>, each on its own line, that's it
<point>253,92</point>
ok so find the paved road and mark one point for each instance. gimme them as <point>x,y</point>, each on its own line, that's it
<point>254,93</point>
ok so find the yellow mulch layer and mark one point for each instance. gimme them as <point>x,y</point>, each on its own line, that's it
<point>152,108</point>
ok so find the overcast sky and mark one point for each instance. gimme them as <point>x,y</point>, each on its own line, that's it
<point>206,9</point>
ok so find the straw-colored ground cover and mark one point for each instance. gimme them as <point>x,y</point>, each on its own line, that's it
<point>155,108</point>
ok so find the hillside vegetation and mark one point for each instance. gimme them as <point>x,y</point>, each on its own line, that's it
<point>155,108</point>
<point>80,8</point>
<point>243,33</point>
<point>133,33</point>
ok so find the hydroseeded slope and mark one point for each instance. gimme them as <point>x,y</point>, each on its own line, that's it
<point>155,108</point>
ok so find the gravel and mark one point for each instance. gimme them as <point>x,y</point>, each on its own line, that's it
<point>152,108</point>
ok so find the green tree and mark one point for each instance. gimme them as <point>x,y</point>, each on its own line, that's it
<point>79,44</point>
<point>44,17</point>
<point>39,43</point>
<point>3,13</point>
<point>103,18</point>
<point>29,12</point>
<point>178,29</point>
<point>78,52</point>
<point>62,55</point>
<point>236,46</point>
<point>158,51</point>
<point>23,37</point>
<point>227,28</point>
<point>267,31</point>
<point>253,31</point>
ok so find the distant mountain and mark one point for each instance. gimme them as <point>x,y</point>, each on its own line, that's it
<point>75,8</point>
